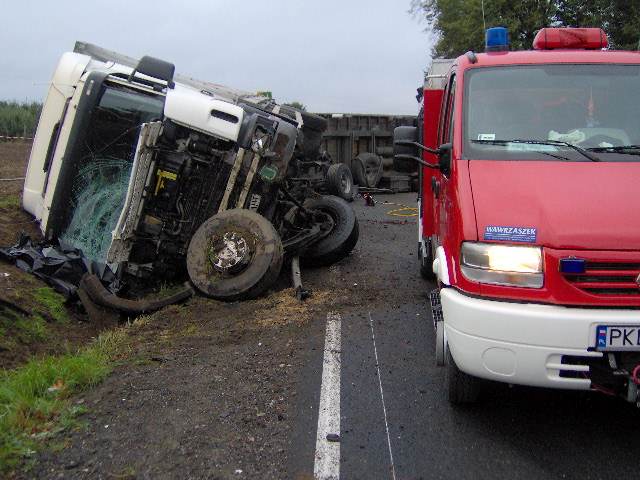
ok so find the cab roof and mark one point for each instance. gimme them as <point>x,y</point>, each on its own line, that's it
<point>529,57</point>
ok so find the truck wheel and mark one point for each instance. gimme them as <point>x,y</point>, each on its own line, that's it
<point>235,255</point>
<point>461,388</point>
<point>339,181</point>
<point>426,262</point>
<point>342,237</point>
<point>367,169</point>
<point>312,127</point>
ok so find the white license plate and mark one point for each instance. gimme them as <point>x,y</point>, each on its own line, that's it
<point>618,337</point>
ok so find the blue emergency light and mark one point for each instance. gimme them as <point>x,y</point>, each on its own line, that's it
<point>572,265</point>
<point>496,39</point>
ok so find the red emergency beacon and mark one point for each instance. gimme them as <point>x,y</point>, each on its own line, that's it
<point>570,38</point>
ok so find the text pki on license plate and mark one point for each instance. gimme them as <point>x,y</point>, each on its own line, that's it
<point>618,337</point>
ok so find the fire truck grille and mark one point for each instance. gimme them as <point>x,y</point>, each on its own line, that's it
<point>608,278</point>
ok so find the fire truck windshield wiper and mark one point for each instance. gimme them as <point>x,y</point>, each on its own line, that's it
<point>624,149</point>
<point>554,143</point>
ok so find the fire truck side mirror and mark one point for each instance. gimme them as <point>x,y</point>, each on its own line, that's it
<point>406,146</point>
<point>444,158</point>
<point>404,140</point>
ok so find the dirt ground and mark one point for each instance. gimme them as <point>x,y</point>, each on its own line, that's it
<point>16,286</point>
<point>14,156</point>
<point>210,390</point>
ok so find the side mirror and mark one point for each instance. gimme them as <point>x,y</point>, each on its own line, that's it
<point>404,140</point>
<point>407,146</point>
<point>444,158</point>
<point>156,68</point>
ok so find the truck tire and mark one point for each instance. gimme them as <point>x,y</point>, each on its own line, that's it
<point>312,128</point>
<point>309,120</point>
<point>367,169</point>
<point>342,237</point>
<point>234,255</point>
<point>461,388</point>
<point>339,181</point>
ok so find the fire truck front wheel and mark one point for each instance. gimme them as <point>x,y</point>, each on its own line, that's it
<point>235,255</point>
<point>425,257</point>
<point>461,387</point>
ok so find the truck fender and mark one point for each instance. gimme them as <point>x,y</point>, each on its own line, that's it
<point>440,267</point>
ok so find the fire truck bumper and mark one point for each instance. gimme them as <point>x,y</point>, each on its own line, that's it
<point>526,344</point>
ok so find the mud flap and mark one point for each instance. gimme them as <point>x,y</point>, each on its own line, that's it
<point>99,295</point>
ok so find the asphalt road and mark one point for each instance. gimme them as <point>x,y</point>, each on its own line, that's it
<point>395,420</point>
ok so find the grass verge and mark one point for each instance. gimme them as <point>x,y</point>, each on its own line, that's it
<point>35,398</point>
<point>17,328</point>
<point>9,201</point>
<point>52,302</point>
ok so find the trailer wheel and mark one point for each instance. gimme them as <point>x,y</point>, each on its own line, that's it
<point>342,237</point>
<point>234,255</point>
<point>461,388</point>
<point>367,169</point>
<point>339,181</point>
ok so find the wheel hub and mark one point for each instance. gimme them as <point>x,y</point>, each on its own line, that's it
<point>230,253</point>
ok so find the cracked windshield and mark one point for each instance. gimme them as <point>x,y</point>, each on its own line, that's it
<point>102,176</point>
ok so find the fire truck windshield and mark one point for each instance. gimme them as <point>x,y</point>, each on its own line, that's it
<point>547,110</point>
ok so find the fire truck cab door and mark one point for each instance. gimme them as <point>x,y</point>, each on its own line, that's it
<point>441,183</point>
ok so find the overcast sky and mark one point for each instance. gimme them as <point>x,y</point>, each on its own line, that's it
<point>334,56</point>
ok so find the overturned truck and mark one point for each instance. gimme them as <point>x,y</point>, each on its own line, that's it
<point>165,177</point>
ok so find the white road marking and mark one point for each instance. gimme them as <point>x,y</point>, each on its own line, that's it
<point>384,407</point>
<point>327,461</point>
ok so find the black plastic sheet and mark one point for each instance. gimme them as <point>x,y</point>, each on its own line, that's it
<point>61,266</point>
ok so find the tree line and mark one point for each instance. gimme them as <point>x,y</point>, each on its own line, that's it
<point>19,119</point>
<point>460,24</point>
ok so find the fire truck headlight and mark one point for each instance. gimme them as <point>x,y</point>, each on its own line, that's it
<point>509,265</point>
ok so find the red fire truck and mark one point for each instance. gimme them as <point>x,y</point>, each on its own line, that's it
<point>530,213</point>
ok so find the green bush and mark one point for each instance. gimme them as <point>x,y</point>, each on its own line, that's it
<point>19,119</point>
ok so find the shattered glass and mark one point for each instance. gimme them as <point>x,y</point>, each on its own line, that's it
<point>102,170</point>
<point>99,191</point>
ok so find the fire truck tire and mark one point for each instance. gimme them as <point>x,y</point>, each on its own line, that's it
<point>461,388</point>
<point>339,181</point>
<point>342,237</point>
<point>367,169</point>
<point>426,263</point>
<point>234,255</point>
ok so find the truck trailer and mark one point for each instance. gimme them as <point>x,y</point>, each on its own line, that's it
<point>530,214</point>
